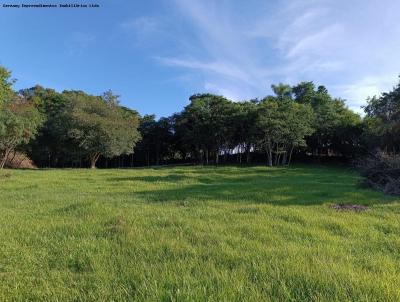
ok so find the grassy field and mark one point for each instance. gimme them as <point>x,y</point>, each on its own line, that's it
<point>196,234</point>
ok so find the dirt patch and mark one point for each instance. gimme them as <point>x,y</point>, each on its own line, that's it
<point>349,207</point>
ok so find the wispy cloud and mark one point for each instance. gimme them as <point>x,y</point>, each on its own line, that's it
<point>351,47</point>
<point>78,42</point>
<point>220,68</point>
<point>366,87</point>
<point>143,25</point>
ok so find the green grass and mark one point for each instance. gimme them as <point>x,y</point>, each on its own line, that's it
<point>196,234</point>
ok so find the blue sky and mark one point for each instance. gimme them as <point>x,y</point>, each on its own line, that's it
<point>155,54</point>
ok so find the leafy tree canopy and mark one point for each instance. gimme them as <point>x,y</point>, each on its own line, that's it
<point>100,127</point>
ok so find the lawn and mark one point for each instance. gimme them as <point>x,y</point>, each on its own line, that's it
<point>196,234</point>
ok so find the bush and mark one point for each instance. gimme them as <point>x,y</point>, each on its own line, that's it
<point>19,160</point>
<point>382,172</point>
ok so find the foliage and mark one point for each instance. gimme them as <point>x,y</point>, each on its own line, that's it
<point>6,92</point>
<point>205,123</point>
<point>99,127</point>
<point>384,123</point>
<point>157,139</point>
<point>19,118</point>
<point>381,169</point>
<point>244,128</point>
<point>303,120</point>
<point>381,172</point>
<point>337,130</point>
<point>283,125</point>
<point>51,147</point>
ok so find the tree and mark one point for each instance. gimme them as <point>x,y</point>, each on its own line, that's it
<point>99,128</point>
<point>299,119</point>
<point>163,135</point>
<point>337,129</point>
<point>384,115</point>
<point>282,91</point>
<point>110,98</point>
<point>19,118</point>
<point>19,122</point>
<point>304,92</point>
<point>268,123</point>
<point>244,132</point>
<point>50,147</point>
<point>146,129</point>
<point>205,124</point>
<point>283,126</point>
<point>157,138</point>
<point>6,92</point>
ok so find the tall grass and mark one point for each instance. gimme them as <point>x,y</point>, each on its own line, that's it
<point>196,234</point>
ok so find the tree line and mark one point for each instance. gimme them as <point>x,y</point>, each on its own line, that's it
<point>75,129</point>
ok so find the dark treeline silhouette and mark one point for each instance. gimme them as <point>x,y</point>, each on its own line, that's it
<point>74,129</point>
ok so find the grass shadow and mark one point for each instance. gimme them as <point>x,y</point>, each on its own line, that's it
<point>151,179</point>
<point>281,187</point>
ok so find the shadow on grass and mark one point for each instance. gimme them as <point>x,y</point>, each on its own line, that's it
<point>282,187</point>
<point>167,178</point>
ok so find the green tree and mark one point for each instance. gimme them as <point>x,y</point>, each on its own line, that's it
<point>157,138</point>
<point>384,115</point>
<point>99,128</point>
<point>304,92</point>
<point>282,91</point>
<point>6,92</point>
<point>205,124</point>
<point>50,147</point>
<point>19,122</point>
<point>244,132</point>
<point>283,126</point>
<point>337,129</point>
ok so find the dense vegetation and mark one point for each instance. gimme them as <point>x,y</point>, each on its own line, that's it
<point>196,234</point>
<point>74,129</point>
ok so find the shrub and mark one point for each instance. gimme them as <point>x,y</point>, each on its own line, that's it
<point>382,172</point>
<point>19,160</point>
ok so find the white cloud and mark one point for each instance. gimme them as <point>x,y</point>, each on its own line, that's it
<point>142,24</point>
<point>351,47</point>
<point>219,68</point>
<point>78,42</point>
<point>365,88</point>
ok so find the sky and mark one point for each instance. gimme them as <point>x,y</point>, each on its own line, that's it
<point>156,53</point>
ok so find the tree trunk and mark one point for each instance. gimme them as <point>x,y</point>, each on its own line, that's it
<point>207,156</point>
<point>216,157</point>
<point>4,159</point>
<point>290,156</point>
<point>248,147</point>
<point>269,153</point>
<point>284,158</point>
<point>93,160</point>
<point>269,158</point>
<point>92,164</point>
<point>3,162</point>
